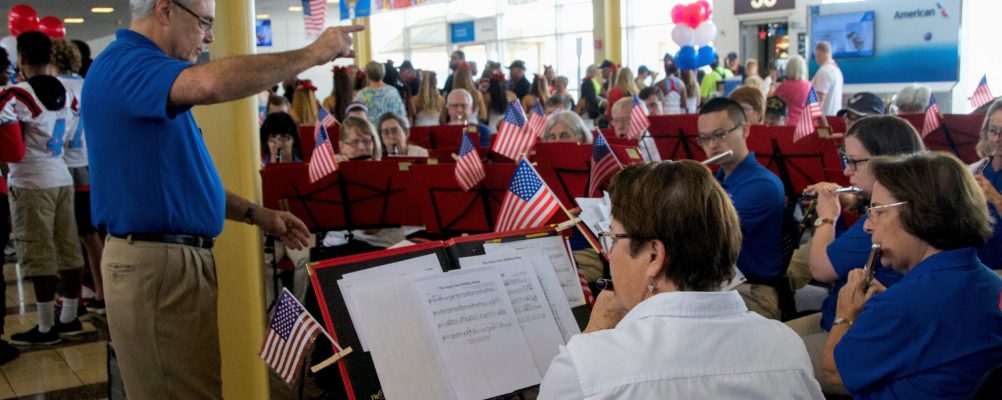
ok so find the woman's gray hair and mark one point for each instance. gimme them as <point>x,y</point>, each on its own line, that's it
<point>796,68</point>
<point>143,8</point>
<point>913,98</point>
<point>573,122</point>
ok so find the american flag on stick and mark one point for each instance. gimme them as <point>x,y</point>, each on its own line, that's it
<point>469,167</point>
<point>812,111</point>
<point>604,165</point>
<point>982,94</point>
<point>528,203</point>
<point>290,333</point>
<point>314,15</point>
<point>322,161</point>
<point>537,121</point>
<point>638,119</point>
<point>514,139</point>
<point>931,122</point>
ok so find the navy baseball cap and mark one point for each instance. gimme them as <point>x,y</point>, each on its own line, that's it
<point>863,103</point>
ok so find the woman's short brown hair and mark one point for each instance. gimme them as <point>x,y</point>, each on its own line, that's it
<point>66,56</point>
<point>702,238</point>
<point>375,71</point>
<point>945,207</point>
<point>363,126</point>
<point>752,96</point>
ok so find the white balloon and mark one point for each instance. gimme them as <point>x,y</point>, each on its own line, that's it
<point>9,43</point>
<point>705,33</point>
<point>683,35</point>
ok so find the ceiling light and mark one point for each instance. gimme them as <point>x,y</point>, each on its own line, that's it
<point>73,20</point>
<point>332,1</point>
<point>263,16</point>
<point>102,10</point>
<point>296,9</point>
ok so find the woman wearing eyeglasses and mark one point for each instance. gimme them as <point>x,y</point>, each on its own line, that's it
<point>358,141</point>
<point>988,175</point>
<point>832,256</point>
<point>936,332</point>
<point>667,331</point>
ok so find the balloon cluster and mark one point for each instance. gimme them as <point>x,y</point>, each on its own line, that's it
<point>693,29</point>
<point>22,18</point>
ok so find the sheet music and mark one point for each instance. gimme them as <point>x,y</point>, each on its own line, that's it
<point>418,266</point>
<point>476,332</point>
<point>596,213</point>
<point>401,347</point>
<point>553,248</point>
<point>532,308</point>
<point>559,306</point>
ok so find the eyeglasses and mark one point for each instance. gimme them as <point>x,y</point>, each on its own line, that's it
<point>994,131</point>
<point>454,105</point>
<point>205,22</point>
<point>704,140</point>
<point>359,143</point>
<point>848,163</point>
<point>608,239</point>
<point>869,211</point>
<point>565,135</point>
<point>280,139</point>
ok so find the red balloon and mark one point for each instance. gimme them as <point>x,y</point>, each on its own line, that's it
<point>52,27</point>
<point>676,14</point>
<point>22,18</point>
<point>692,15</point>
<point>707,9</point>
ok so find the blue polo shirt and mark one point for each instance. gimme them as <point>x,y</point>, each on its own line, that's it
<point>757,195</point>
<point>150,170</point>
<point>991,253</point>
<point>931,336</point>
<point>848,252</point>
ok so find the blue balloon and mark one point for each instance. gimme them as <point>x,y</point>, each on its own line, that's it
<point>706,56</point>
<point>686,57</point>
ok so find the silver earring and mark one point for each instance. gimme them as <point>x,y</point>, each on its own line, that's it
<point>650,285</point>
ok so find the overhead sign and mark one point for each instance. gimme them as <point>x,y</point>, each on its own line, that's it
<point>479,30</point>
<point>757,6</point>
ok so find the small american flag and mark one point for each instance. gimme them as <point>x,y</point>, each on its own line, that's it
<point>537,121</point>
<point>469,167</point>
<point>529,203</point>
<point>322,161</point>
<point>314,14</point>
<point>604,165</point>
<point>514,138</point>
<point>638,119</point>
<point>981,94</point>
<point>931,122</point>
<point>812,111</point>
<point>290,333</point>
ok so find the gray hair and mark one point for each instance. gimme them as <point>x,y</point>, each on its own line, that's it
<point>143,8</point>
<point>463,92</point>
<point>572,121</point>
<point>913,98</point>
<point>796,68</point>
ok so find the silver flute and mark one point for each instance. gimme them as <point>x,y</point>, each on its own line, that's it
<point>849,189</point>
<point>718,157</point>
<point>985,162</point>
<point>871,266</point>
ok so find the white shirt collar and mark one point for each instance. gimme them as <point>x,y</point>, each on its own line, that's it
<point>688,304</point>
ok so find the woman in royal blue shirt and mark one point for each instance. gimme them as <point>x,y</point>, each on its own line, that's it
<point>989,177</point>
<point>936,332</point>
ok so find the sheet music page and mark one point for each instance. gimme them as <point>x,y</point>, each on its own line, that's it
<point>559,306</point>
<point>418,266</point>
<point>401,347</point>
<point>476,332</point>
<point>532,309</point>
<point>596,213</point>
<point>553,248</point>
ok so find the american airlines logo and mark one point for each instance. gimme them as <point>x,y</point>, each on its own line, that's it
<point>921,13</point>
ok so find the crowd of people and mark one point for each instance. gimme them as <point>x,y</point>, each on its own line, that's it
<point>923,321</point>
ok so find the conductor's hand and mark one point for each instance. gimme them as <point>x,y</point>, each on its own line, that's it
<point>828,203</point>
<point>333,43</point>
<point>283,224</point>
<point>606,313</point>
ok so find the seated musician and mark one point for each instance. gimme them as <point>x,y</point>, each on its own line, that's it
<point>935,333</point>
<point>459,105</point>
<point>280,139</point>
<point>566,126</point>
<point>757,194</point>
<point>621,115</point>
<point>667,331</point>
<point>394,131</point>
<point>830,257</point>
<point>989,178</point>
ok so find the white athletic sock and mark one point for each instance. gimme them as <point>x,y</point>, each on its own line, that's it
<point>69,312</point>
<point>46,316</point>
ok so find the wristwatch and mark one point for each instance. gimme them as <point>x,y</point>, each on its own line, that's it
<point>821,221</point>
<point>249,214</point>
<point>840,321</point>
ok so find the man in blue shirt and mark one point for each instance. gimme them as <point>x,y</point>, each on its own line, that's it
<point>157,193</point>
<point>756,193</point>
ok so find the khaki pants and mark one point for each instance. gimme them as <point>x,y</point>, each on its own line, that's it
<point>809,329</point>
<point>45,230</point>
<point>762,299</point>
<point>161,301</point>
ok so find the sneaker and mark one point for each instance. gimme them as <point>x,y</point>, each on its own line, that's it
<point>8,352</point>
<point>96,306</point>
<point>71,328</point>
<point>35,338</point>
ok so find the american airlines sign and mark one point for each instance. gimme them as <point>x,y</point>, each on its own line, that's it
<point>756,6</point>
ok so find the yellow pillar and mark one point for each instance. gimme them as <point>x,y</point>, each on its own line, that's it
<point>231,135</point>
<point>608,28</point>
<point>363,42</point>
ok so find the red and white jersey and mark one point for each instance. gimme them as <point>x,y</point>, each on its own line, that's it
<point>45,132</point>
<point>76,147</point>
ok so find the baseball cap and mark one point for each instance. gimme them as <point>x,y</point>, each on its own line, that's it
<point>775,105</point>
<point>863,103</point>
<point>732,55</point>
<point>606,64</point>
<point>642,69</point>
<point>517,64</point>
<point>406,65</point>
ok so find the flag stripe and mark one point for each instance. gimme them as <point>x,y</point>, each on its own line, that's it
<point>291,331</point>
<point>982,94</point>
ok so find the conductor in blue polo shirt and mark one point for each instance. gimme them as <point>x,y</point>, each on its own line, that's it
<point>757,194</point>
<point>157,193</point>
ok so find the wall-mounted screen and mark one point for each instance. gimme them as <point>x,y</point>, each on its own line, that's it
<point>850,34</point>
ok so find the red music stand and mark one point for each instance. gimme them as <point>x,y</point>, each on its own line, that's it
<point>565,168</point>
<point>959,134</point>
<point>675,136</point>
<point>447,209</point>
<point>307,142</point>
<point>435,136</point>
<point>797,163</point>
<point>916,119</point>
